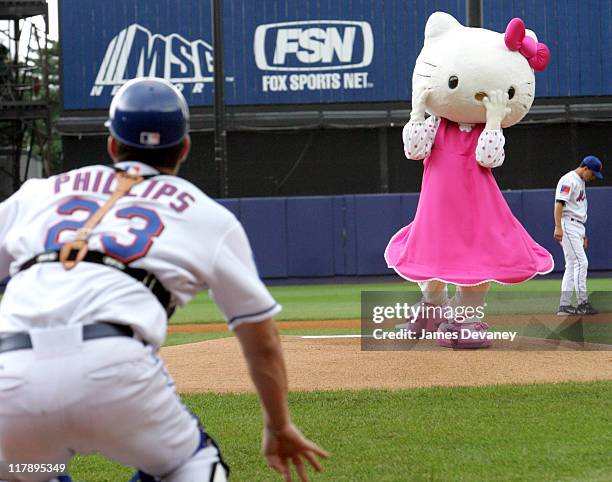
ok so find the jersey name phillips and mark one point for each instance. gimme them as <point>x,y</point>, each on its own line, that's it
<point>98,181</point>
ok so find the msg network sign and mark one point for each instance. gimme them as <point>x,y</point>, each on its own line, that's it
<point>137,52</point>
<point>314,55</point>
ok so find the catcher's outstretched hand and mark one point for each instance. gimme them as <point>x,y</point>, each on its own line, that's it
<point>284,447</point>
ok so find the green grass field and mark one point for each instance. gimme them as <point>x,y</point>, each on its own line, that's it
<point>336,302</point>
<point>505,433</point>
<point>554,432</point>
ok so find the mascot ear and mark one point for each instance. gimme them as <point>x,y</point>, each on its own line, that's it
<point>438,24</point>
<point>531,33</point>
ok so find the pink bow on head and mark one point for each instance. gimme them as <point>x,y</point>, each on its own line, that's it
<point>536,53</point>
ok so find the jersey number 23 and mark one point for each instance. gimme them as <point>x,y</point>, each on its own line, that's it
<point>143,238</point>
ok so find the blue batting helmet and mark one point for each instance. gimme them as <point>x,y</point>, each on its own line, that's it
<point>148,113</point>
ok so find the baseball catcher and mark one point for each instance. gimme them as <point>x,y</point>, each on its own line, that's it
<point>99,257</point>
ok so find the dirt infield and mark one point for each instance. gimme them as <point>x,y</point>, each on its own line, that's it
<point>282,325</point>
<point>339,363</point>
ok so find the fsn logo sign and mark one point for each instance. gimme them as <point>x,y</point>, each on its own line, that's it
<point>137,52</point>
<point>319,53</point>
<point>314,45</point>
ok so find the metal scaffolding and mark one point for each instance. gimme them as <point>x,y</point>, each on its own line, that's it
<point>25,112</point>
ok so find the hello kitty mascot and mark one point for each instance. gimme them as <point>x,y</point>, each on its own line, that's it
<point>473,82</point>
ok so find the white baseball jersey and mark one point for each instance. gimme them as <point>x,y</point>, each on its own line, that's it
<point>571,188</point>
<point>164,225</point>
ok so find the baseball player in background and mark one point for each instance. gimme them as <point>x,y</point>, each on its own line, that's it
<point>570,216</point>
<point>99,256</point>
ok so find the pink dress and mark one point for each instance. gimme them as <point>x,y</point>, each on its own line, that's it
<point>464,232</point>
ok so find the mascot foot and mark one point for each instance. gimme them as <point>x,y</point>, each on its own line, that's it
<point>465,335</point>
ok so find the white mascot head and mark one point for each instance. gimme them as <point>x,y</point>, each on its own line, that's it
<point>460,65</point>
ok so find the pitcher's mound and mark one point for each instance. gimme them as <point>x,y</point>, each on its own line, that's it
<point>339,364</point>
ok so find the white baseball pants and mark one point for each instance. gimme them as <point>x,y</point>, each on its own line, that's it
<point>110,395</point>
<point>436,293</point>
<point>576,262</point>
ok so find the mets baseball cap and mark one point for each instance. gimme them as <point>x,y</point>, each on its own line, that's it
<point>594,165</point>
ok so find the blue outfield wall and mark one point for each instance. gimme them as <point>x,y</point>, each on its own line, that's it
<point>347,235</point>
